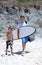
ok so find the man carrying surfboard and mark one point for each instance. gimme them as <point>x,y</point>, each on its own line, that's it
<point>25,39</point>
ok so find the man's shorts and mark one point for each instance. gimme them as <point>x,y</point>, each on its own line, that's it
<point>25,40</point>
<point>8,43</point>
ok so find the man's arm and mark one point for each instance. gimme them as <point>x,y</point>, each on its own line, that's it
<point>18,33</point>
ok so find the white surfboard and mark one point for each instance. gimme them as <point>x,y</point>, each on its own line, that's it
<point>23,32</point>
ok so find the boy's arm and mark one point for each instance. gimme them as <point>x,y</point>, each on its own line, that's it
<point>12,38</point>
<point>6,37</point>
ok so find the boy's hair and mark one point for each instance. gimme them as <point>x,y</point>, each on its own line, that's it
<point>9,27</point>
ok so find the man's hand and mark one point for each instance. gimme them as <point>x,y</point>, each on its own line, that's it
<point>18,33</point>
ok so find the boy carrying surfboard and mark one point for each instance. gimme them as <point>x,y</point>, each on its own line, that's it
<point>9,39</point>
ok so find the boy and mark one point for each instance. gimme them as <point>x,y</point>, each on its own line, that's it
<point>9,40</point>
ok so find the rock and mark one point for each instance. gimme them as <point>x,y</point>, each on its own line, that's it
<point>8,22</point>
<point>37,6</point>
<point>1,10</point>
<point>19,9</point>
<point>13,7</point>
<point>1,36</point>
<point>9,10</point>
<point>1,29</point>
<point>16,8</point>
<point>26,10</point>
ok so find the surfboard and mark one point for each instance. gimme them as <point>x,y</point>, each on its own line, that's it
<point>23,32</point>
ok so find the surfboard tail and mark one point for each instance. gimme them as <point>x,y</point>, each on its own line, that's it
<point>31,38</point>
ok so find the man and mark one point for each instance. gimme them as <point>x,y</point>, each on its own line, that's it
<point>25,39</point>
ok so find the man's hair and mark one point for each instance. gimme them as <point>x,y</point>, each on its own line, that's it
<point>22,16</point>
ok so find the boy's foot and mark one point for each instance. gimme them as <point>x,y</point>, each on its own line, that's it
<point>6,53</point>
<point>12,53</point>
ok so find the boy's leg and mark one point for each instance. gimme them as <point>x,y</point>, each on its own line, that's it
<point>11,49</point>
<point>6,51</point>
<point>6,47</point>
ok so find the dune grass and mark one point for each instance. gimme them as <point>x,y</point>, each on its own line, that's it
<point>39,23</point>
<point>25,0</point>
<point>22,0</point>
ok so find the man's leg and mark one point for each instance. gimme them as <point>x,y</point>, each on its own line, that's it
<point>24,41</point>
<point>23,46</point>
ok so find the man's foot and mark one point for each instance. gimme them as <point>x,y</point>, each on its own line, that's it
<point>23,52</point>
